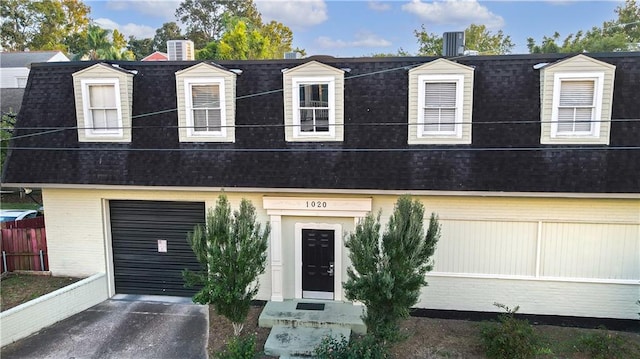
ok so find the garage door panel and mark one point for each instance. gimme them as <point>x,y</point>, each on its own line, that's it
<point>136,227</point>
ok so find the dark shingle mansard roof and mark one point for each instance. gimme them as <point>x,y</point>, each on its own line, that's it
<point>506,89</point>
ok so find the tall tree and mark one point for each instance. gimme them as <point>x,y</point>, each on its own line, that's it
<point>168,31</point>
<point>621,34</point>
<point>41,25</point>
<point>140,48</point>
<point>205,19</point>
<point>280,38</point>
<point>100,45</point>
<point>477,38</point>
<point>388,273</point>
<point>232,251</point>
<point>244,40</point>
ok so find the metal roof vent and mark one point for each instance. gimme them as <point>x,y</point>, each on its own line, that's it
<point>453,43</point>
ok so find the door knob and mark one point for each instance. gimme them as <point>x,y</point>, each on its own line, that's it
<point>330,270</point>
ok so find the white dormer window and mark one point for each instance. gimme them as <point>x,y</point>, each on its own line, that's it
<point>102,109</point>
<point>205,104</point>
<point>313,103</point>
<point>104,97</point>
<point>440,104</point>
<point>314,106</point>
<point>576,103</point>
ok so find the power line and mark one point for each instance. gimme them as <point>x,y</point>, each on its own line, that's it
<point>329,149</point>
<point>50,130</point>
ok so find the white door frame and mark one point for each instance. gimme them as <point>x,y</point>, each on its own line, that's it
<point>337,261</point>
<point>310,206</point>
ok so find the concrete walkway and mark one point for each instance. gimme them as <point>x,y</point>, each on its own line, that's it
<point>132,327</point>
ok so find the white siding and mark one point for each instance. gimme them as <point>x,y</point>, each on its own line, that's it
<point>550,256</point>
<point>487,247</point>
<point>9,76</point>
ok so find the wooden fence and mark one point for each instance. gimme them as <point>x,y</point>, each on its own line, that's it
<point>23,245</point>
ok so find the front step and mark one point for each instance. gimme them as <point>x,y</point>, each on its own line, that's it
<point>334,315</point>
<point>287,342</point>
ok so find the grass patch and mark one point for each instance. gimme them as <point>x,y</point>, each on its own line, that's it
<point>24,205</point>
<point>21,288</point>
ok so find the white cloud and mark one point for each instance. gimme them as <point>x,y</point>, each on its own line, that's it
<point>130,29</point>
<point>299,13</point>
<point>454,12</point>
<point>163,9</point>
<point>362,39</point>
<point>379,6</point>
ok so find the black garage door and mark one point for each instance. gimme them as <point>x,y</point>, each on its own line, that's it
<point>150,247</point>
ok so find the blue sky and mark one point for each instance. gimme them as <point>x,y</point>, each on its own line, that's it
<point>360,28</point>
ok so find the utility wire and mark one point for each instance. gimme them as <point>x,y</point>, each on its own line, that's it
<point>50,130</point>
<point>329,149</point>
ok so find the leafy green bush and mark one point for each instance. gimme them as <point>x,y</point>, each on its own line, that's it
<point>602,345</point>
<point>239,347</point>
<point>364,348</point>
<point>510,337</point>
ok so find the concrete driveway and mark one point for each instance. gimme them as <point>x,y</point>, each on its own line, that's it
<point>126,327</point>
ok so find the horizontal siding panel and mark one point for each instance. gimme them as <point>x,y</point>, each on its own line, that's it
<point>602,251</point>
<point>487,247</point>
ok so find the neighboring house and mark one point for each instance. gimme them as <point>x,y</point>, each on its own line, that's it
<point>530,161</point>
<point>157,56</point>
<point>14,71</point>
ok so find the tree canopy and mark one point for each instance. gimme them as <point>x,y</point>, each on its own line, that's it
<point>205,20</point>
<point>244,40</point>
<point>41,25</point>
<point>621,34</point>
<point>168,31</point>
<point>103,44</point>
<point>477,38</point>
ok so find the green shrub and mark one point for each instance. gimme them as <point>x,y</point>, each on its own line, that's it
<point>510,337</point>
<point>364,348</point>
<point>602,345</point>
<point>239,347</point>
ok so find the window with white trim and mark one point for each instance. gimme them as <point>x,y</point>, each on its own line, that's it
<point>440,101</point>
<point>576,103</point>
<point>102,108</point>
<point>313,106</point>
<point>205,107</point>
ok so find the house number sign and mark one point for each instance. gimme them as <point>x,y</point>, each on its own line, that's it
<point>315,204</point>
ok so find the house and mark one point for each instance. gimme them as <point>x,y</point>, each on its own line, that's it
<point>530,161</point>
<point>156,56</point>
<point>14,71</point>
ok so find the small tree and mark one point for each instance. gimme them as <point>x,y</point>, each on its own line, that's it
<point>387,274</point>
<point>233,251</point>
